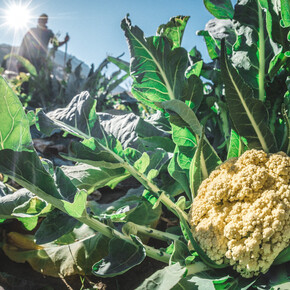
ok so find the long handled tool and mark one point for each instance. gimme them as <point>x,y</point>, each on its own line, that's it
<point>65,53</point>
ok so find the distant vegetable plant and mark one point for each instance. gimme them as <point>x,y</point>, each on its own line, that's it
<point>46,88</point>
<point>202,114</point>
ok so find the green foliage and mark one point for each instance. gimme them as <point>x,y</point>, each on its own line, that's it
<point>220,9</point>
<point>247,113</point>
<point>122,257</point>
<point>13,121</point>
<point>60,257</point>
<point>164,279</point>
<point>173,30</point>
<point>238,145</point>
<point>206,113</point>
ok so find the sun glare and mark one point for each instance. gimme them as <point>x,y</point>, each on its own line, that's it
<point>17,16</point>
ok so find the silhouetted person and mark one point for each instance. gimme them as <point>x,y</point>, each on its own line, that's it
<point>34,45</point>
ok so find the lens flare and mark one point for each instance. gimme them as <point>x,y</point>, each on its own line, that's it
<point>17,16</point>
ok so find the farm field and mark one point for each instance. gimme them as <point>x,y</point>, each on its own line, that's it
<point>180,182</point>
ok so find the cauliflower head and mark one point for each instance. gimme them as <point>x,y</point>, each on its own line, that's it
<point>241,214</point>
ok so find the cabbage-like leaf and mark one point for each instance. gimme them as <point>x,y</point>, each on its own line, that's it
<point>215,30</point>
<point>276,20</point>
<point>285,12</point>
<point>14,130</point>
<point>79,113</point>
<point>220,9</point>
<point>74,254</point>
<point>248,114</point>
<point>90,178</point>
<point>180,253</point>
<point>214,280</point>
<point>237,145</point>
<point>27,170</point>
<point>9,202</point>
<point>80,119</point>
<point>55,225</point>
<point>24,62</point>
<point>157,71</point>
<point>123,255</point>
<point>174,30</point>
<point>121,64</point>
<point>196,169</point>
<point>183,114</point>
<point>165,278</point>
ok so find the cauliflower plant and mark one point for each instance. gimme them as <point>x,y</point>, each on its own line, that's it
<point>241,215</point>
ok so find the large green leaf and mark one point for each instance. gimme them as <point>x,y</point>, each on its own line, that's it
<point>24,62</point>
<point>158,142</point>
<point>123,255</point>
<point>157,71</point>
<point>130,200</point>
<point>90,178</point>
<point>178,173</point>
<point>14,130</point>
<point>285,12</point>
<point>185,117</point>
<point>90,152</point>
<point>180,253</point>
<point>215,30</point>
<point>165,278</point>
<point>196,169</point>
<point>174,30</point>
<point>9,202</point>
<point>220,9</point>
<point>195,282</point>
<point>212,48</point>
<point>27,170</point>
<point>121,64</point>
<point>74,254</point>
<point>55,225</point>
<point>79,114</point>
<point>218,280</point>
<point>179,108</point>
<point>143,214</point>
<point>80,119</point>
<point>193,91</point>
<point>248,114</point>
<point>237,145</point>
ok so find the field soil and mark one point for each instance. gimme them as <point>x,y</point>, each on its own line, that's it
<point>22,277</point>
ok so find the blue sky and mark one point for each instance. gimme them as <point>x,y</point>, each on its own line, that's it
<point>94,25</point>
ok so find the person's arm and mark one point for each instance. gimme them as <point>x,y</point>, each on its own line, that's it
<point>57,43</point>
<point>66,39</point>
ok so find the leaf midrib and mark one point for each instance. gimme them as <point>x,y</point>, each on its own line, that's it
<point>250,116</point>
<point>170,92</point>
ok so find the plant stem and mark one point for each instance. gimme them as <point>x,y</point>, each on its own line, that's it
<point>172,206</point>
<point>153,188</point>
<point>202,161</point>
<point>153,233</point>
<point>133,171</point>
<point>261,56</point>
<point>111,233</point>
<point>157,254</point>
